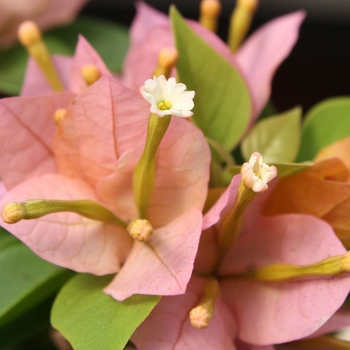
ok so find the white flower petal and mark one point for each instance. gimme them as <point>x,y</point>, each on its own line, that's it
<point>167,97</point>
<point>256,174</point>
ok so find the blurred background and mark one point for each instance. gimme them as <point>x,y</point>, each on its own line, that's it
<point>318,67</point>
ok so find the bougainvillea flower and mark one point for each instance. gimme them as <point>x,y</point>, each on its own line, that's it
<point>320,190</point>
<point>68,69</point>
<point>93,155</point>
<point>168,98</point>
<point>253,312</point>
<point>257,59</point>
<point>46,13</point>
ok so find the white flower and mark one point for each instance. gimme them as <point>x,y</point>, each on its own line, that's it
<point>256,174</point>
<point>168,98</point>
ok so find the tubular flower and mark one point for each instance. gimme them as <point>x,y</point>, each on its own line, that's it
<point>80,174</point>
<point>252,308</point>
<point>257,59</point>
<point>167,97</point>
<point>256,174</point>
<point>46,13</point>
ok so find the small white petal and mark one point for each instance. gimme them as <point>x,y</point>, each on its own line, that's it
<point>167,97</point>
<point>256,174</point>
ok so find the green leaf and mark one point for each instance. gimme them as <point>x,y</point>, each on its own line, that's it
<point>90,319</point>
<point>16,334</point>
<point>283,169</point>
<point>109,39</point>
<point>222,102</point>
<point>276,138</point>
<point>25,280</point>
<point>6,239</point>
<point>325,123</point>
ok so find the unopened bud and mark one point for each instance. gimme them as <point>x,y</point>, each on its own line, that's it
<point>90,73</point>
<point>167,60</point>
<point>140,230</point>
<point>201,315</point>
<point>29,33</point>
<point>60,114</point>
<point>209,14</point>
<point>13,212</point>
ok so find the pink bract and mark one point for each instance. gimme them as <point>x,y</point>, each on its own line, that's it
<point>260,314</point>
<point>68,70</point>
<point>46,14</point>
<point>257,60</point>
<point>94,152</point>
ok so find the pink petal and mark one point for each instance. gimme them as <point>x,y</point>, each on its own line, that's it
<point>150,33</point>
<point>67,239</point>
<point>145,20</point>
<point>338,321</point>
<point>2,189</point>
<point>269,313</point>
<point>26,130</point>
<point>224,203</point>
<point>168,326</point>
<point>207,256</point>
<point>245,346</point>
<point>105,121</point>
<point>36,84</point>
<point>45,13</point>
<point>182,172</point>
<point>84,54</point>
<point>164,265</point>
<point>264,51</point>
<point>57,14</point>
<point>142,58</point>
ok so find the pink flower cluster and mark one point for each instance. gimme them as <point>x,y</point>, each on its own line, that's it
<point>92,153</point>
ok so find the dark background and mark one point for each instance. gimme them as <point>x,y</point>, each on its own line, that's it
<point>318,67</point>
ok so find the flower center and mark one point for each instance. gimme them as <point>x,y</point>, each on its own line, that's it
<point>164,105</point>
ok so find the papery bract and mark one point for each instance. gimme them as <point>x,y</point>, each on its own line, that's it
<point>46,14</point>
<point>319,190</point>
<point>258,310</point>
<point>339,149</point>
<point>268,47</point>
<point>96,147</point>
<point>68,70</point>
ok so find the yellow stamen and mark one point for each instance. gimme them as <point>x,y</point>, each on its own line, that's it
<point>140,229</point>
<point>164,105</point>
<point>30,37</point>
<point>240,22</point>
<point>201,315</point>
<point>167,60</point>
<point>59,115</point>
<point>90,74</point>
<point>329,267</point>
<point>36,208</point>
<point>209,14</point>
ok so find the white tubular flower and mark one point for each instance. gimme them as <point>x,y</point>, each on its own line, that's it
<point>256,174</point>
<point>168,98</point>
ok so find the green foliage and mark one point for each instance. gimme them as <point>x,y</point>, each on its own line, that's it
<point>91,319</point>
<point>276,138</point>
<point>28,279</point>
<point>30,331</point>
<point>223,103</point>
<point>325,123</point>
<point>109,39</point>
